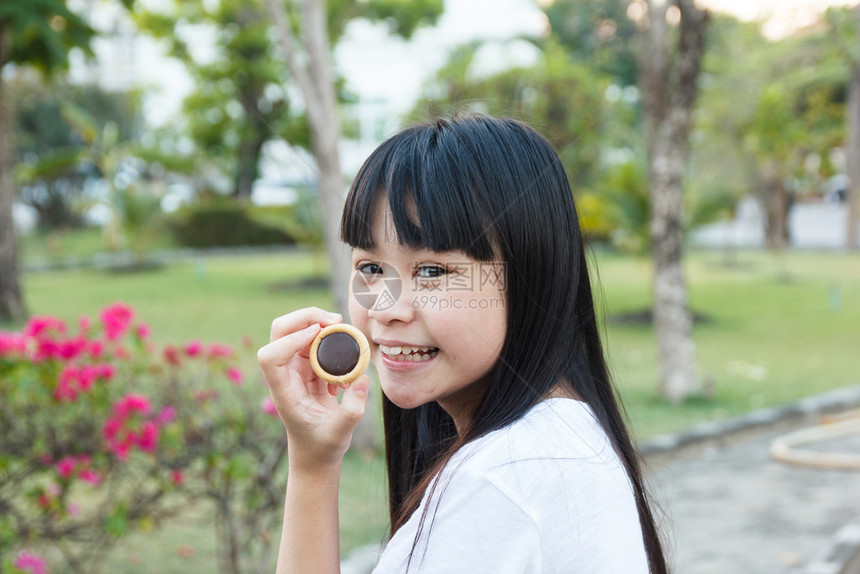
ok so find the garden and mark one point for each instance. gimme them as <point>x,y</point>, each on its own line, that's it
<point>169,402</point>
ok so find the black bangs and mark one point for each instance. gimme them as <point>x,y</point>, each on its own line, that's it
<point>430,180</point>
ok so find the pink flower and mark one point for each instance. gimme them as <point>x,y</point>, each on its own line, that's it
<point>193,348</point>
<point>176,477</point>
<point>235,375</point>
<point>104,371</point>
<point>165,416</point>
<point>268,407</point>
<point>84,325</point>
<point>143,331</point>
<point>125,430</point>
<point>70,349</point>
<point>41,326</point>
<point>12,343</point>
<point>216,350</point>
<point>43,501</point>
<point>86,377</point>
<point>111,429</point>
<point>30,563</point>
<point>46,349</point>
<point>131,403</point>
<point>91,477</point>
<point>96,349</point>
<point>67,385</point>
<point>116,319</point>
<point>121,450</point>
<point>171,355</point>
<point>73,380</point>
<point>66,467</point>
<point>147,438</point>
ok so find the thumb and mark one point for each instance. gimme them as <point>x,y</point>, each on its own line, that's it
<point>353,403</point>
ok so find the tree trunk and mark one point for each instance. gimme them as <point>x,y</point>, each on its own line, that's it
<point>11,303</point>
<point>252,139</point>
<point>852,234</point>
<point>777,206</point>
<point>317,85</point>
<point>669,88</point>
<point>249,157</point>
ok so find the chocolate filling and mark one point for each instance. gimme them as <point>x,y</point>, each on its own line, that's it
<point>338,353</point>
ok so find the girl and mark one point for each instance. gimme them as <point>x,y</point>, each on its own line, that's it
<point>506,449</point>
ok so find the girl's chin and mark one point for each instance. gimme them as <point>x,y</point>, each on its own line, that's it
<point>401,399</point>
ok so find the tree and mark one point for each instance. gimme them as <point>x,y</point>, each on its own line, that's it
<point>38,33</point>
<point>47,149</point>
<point>846,24</point>
<point>780,105</point>
<point>562,98</point>
<point>598,33</point>
<point>238,103</point>
<point>310,68</point>
<point>852,233</point>
<point>669,84</point>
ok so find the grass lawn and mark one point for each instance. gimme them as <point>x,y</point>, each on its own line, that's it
<point>778,328</point>
<point>77,243</point>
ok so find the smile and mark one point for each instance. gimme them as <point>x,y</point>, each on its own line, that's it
<point>409,354</point>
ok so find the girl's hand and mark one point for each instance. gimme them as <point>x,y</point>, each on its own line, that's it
<point>319,428</point>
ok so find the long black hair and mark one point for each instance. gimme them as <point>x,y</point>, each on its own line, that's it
<point>496,190</point>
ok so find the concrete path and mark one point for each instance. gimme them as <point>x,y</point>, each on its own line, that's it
<point>734,509</point>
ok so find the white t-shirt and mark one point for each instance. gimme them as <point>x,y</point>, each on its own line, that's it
<point>546,494</point>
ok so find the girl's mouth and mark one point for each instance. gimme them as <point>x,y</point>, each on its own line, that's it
<point>409,354</point>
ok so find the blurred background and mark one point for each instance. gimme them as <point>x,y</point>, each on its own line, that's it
<point>187,160</point>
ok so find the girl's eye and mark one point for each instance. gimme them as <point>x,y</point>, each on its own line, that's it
<point>430,271</point>
<point>370,269</point>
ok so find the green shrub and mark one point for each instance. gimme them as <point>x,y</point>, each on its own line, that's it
<point>106,433</point>
<point>225,223</point>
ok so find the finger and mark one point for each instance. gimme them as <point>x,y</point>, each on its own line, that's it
<point>281,350</point>
<point>300,319</point>
<point>353,404</point>
<point>334,390</point>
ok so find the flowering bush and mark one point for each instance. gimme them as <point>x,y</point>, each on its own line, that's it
<point>103,432</point>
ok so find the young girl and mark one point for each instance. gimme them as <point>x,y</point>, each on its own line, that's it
<point>506,449</point>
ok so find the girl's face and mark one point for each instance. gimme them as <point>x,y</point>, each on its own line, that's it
<point>436,322</point>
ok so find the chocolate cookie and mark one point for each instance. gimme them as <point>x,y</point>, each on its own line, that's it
<point>339,354</point>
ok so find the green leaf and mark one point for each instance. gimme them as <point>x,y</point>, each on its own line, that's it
<point>81,120</point>
<point>117,523</point>
<point>52,164</point>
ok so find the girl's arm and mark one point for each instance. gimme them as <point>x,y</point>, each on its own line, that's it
<point>319,430</point>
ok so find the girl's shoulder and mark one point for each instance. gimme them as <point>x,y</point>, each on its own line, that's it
<point>557,430</point>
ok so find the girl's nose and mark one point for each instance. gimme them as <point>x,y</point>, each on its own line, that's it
<point>392,304</point>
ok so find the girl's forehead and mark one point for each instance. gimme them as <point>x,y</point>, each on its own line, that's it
<point>382,225</point>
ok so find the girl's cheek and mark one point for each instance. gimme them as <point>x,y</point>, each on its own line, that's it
<point>357,313</point>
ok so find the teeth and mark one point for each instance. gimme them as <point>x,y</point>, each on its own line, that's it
<point>409,353</point>
<point>398,350</point>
